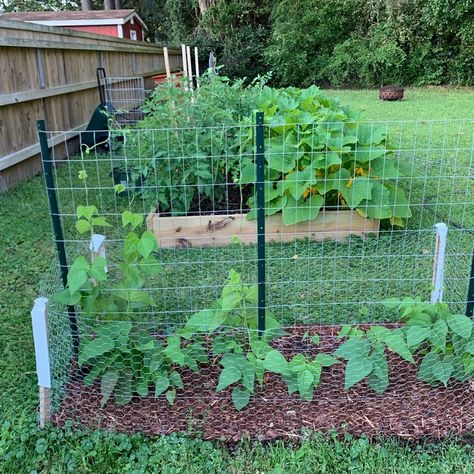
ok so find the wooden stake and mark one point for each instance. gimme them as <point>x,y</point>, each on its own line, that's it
<point>167,62</point>
<point>190,67</point>
<point>196,66</point>
<point>39,320</point>
<point>185,64</point>
<point>438,264</point>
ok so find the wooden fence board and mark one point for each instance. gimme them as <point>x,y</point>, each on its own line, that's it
<point>50,73</point>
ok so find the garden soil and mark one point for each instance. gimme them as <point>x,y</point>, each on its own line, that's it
<point>408,409</point>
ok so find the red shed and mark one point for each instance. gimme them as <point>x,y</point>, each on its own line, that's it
<point>118,23</point>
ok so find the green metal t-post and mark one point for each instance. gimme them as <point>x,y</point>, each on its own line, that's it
<point>470,291</point>
<point>260,162</point>
<point>56,221</point>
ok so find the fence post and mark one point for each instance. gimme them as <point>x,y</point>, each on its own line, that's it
<point>470,291</point>
<point>260,159</point>
<point>39,321</point>
<point>58,231</point>
<point>438,264</point>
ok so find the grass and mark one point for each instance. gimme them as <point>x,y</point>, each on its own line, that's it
<point>26,247</point>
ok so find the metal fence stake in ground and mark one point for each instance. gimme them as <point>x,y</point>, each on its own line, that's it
<point>260,158</point>
<point>58,231</point>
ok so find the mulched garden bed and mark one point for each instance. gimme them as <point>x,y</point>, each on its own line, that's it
<point>408,409</point>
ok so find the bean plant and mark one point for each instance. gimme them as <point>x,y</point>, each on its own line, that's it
<point>126,359</point>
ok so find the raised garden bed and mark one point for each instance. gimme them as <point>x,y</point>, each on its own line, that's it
<point>220,230</point>
<point>409,408</point>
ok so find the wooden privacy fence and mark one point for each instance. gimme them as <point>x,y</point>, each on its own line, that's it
<point>49,72</point>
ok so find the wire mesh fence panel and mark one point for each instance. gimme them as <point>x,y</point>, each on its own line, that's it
<point>160,234</point>
<point>125,97</point>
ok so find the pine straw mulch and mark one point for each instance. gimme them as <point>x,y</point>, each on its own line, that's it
<point>408,409</point>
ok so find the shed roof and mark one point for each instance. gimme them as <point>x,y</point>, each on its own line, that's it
<point>70,18</point>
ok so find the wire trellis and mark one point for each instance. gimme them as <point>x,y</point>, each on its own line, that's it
<point>196,189</point>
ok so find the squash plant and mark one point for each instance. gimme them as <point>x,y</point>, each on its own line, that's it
<point>444,340</point>
<point>319,154</point>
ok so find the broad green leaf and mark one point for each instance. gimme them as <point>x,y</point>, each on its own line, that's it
<point>438,335</point>
<point>298,363</point>
<point>299,181</point>
<point>100,221</point>
<point>442,370</point>
<point>146,244</point>
<point>107,385</point>
<point>396,343</point>
<point>162,383</point>
<point>142,387</point>
<point>363,154</point>
<point>417,334</point>
<point>353,348</point>
<point>229,375</point>
<point>207,320</point>
<point>357,369</point>
<point>98,269</point>
<point>305,380</point>
<point>248,375</point>
<point>240,398</point>
<point>83,226</point>
<point>133,219</point>
<point>176,380</point>
<point>77,274</point>
<point>370,134</point>
<point>275,362</point>
<point>333,181</point>
<point>308,210</point>
<point>378,378</point>
<point>124,388</point>
<point>65,297</point>
<point>378,207</point>
<point>173,350</point>
<point>384,167</point>
<point>470,347</point>
<point>325,360</point>
<point>460,324</point>
<point>398,202</point>
<point>95,348</point>
<point>425,371</point>
<point>86,211</point>
<point>171,396</point>
<point>356,190</point>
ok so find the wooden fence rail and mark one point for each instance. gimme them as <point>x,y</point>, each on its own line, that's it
<point>50,73</point>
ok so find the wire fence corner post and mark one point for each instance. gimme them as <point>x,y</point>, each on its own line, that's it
<point>470,291</point>
<point>260,162</point>
<point>57,228</point>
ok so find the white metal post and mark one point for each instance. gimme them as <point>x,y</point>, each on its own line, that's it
<point>438,264</point>
<point>39,320</point>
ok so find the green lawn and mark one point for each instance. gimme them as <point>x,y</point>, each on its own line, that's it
<point>26,248</point>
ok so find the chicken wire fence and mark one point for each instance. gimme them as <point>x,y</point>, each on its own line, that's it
<point>313,228</point>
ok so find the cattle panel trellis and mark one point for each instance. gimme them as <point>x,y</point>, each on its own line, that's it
<point>207,292</point>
